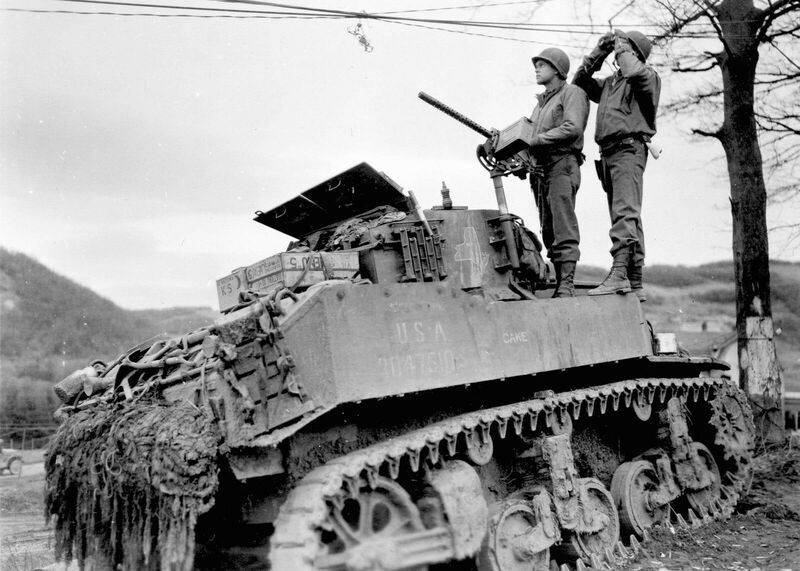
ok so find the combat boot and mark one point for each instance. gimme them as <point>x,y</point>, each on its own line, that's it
<point>635,278</point>
<point>617,279</point>
<point>566,279</point>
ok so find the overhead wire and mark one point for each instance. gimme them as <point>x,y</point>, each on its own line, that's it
<point>174,7</point>
<point>452,31</point>
<point>710,34</point>
<point>306,12</point>
<point>466,7</point>
<point>164,15</point>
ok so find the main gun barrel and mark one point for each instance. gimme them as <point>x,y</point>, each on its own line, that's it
<point>454,114</point>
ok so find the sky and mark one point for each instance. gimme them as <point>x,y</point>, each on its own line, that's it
<point>135,150</point>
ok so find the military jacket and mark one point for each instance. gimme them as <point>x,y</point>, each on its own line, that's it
<point>559,120</point>
<point>627,100</point>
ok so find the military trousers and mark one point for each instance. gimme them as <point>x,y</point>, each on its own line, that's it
<point>554,190</point>
<point>621,170</point>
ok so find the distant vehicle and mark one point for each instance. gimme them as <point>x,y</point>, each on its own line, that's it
<point>10,461</point>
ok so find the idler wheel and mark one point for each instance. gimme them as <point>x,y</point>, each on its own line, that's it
<point>733,420</point>
<point>633,487</point>
<point>702,500</point>
<point>599,528</point>
<point>517,540</point>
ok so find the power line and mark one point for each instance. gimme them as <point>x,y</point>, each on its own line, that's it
<point>322,12</point>
<point>489,24</point>
<point>452,31</point>
<point>163,15</point>
<point>306,12</point>
<point>173,7</point>
<point>467,7</point>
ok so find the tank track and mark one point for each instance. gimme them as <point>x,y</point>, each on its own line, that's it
<point>295,541</point>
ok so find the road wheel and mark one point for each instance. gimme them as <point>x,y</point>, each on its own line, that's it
<point>631,487</point>
<point>702,500</point>
<point>15,466</point>
<point>514,539</point>
<point>603,528</point>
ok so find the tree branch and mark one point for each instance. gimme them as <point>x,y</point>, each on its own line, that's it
<point>713,134</point>
<point>772,13</point>
<point>780,51</point>
<point>708,7</point>
<point>692,69</point>
<point>678,23</point>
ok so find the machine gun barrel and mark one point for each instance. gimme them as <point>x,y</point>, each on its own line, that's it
<point>454,114</point>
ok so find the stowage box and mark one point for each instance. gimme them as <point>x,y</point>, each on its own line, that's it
<point>287,269</point>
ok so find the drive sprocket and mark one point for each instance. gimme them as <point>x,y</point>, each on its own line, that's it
<point>732,418</point>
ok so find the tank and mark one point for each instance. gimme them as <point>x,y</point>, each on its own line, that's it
<point>388,394</point>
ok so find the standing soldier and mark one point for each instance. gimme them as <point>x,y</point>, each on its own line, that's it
<point>626,120</point>
<point>558,120</point>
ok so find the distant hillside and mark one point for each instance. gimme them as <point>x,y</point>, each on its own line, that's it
<point>684,299</point>
<point>52,326</point>
<point>45,314</point>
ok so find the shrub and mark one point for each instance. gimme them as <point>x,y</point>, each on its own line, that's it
<point>725,295</point>
<point>672,276</point>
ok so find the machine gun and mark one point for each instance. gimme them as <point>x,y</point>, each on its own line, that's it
<point>504,152</point>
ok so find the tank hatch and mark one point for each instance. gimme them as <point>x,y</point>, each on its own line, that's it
<point>346,195</point>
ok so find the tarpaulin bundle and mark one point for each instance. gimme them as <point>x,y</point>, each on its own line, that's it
<point>126,483</point>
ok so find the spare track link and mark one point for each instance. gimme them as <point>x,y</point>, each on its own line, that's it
<point>295,541</point>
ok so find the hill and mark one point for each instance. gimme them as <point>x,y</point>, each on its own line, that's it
<point>698,303</point>
<point>52,326</point>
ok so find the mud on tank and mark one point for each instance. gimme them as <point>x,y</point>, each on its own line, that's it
<point>386,394</point>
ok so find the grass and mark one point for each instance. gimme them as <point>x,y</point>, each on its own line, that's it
<point>720,294</point>
<point>33,456</point>
<point>25,542</point>
<point>21,556</point>
<point>22,495</point>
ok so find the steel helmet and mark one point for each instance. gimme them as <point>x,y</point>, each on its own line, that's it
<point>640,43</point>
<point>555,57</point>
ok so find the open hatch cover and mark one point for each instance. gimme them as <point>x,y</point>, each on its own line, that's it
<point>348,194</point>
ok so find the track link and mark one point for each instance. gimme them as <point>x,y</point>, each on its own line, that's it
<point>295,542</point>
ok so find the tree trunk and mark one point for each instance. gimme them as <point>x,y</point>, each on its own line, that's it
<point>759,369</point>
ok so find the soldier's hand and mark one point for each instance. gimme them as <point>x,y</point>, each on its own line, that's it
<point>621,40</point>
<point>606,42</point>
<point>491,141</point>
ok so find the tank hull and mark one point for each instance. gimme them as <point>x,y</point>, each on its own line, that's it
<point>364,342</point>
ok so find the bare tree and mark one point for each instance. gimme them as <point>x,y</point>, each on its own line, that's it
<point>760,110</point>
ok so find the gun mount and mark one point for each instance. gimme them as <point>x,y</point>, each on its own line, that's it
<point>504,152</point>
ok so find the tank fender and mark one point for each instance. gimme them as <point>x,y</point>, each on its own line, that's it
<point>459,487</point>
<point>253,462</point>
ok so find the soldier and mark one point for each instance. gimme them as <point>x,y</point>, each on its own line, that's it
<point>558,120</point>
<point>626,120</point>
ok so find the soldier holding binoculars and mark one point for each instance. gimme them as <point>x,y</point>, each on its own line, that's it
<point>626,120</point>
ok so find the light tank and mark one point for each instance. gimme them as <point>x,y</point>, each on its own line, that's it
<point>392,393</point>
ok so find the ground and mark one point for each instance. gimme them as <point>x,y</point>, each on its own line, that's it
<point>25,540</point>
<point>763,535</point>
